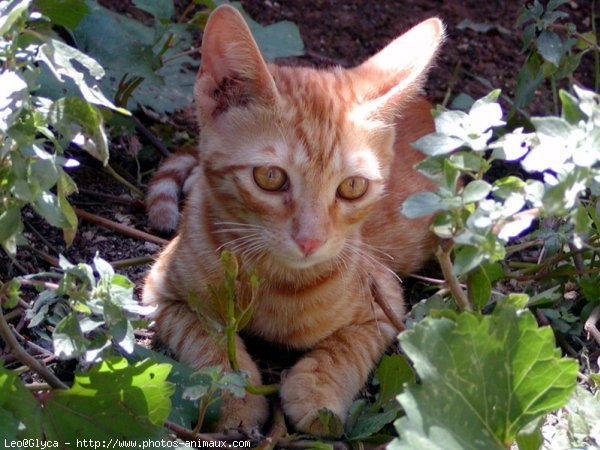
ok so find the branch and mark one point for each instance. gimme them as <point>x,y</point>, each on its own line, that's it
<point>383,304</point>
<point>590,324</point>
<point>137,191</point>
<point>28,360</point>
<point>443,256</point>
<point>157,143</point>
<point>120,228</point>
<point>278,430</point>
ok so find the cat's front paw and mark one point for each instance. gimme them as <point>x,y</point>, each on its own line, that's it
<point>310,404</point>
<point>248,412</point>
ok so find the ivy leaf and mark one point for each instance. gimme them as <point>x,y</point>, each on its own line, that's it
<point>111,400</point>
<point>482,379</point>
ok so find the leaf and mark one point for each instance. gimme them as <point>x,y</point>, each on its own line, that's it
<point>276,40</point>
<point>10,12</point>
<point>475,191</point>
<point>482,379</point>
<point>183,412</point>
<point>479,287</point>
<point>20,416</point>
<point>466,259</point>
<point>81,123</point>
<point>570,108</point>
<point>68,339</point>
<point>47,206</point>
<point>67,13</point>
<point>10,222</point>
<point>112,400</point>
<point>421,204</point>
<point>550,47</point>
<point>161,10</point>
<point>437,144</point>
<point>332,425</point>
<point>392,373</point>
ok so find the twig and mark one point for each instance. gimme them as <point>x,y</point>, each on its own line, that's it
<point>129,262</point>
<point>43,255</point>
<point>41,350</point>
<point>137,191</point>
<point>590,324</point>
<point>277,432</point>
<point>14,313</point>
<point>120,228</point>
<point>157,143</point>
<point>25,358</point>
<point>383,304</point>
<point>113,198</point>
<point>41,237</point>
<point>38,387</point>
<point>532,213</point>
<point>187,434</point>
<point>443,256</point>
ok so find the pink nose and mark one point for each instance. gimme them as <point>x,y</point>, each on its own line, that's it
<point>308,245</point>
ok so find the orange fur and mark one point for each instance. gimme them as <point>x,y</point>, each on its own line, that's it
<point>313,250</point>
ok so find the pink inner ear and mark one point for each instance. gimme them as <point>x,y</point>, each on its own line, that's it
<point>401,66</point>
<point>232,68</point>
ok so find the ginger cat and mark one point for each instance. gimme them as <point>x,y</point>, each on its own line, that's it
<point>302,173</point>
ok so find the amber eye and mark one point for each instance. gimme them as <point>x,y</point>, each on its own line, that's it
<point>270,178</point>
<point>353,188</point>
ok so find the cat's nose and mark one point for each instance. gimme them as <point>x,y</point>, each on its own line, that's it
<point>309,245</point>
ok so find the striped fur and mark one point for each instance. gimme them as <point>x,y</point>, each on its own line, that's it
<point>313,250</point>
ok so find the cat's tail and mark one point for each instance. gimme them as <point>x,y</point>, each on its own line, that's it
<point>171,179</point>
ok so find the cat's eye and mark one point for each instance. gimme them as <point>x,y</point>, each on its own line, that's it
<point>270,178</point>
<point>352,188</point>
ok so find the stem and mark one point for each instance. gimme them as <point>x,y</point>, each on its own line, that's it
<point>137,191</point>
<point>230,330</point>
<point>157,143</point>
<point>277,432</point>
<point>554,95</point>
<point>443,256</point>
<point>590,324</point>
<point>28,360</point>
<point>451,84</point>
<point>119,227</point>
<point>204,404</point>
<point>383,304</point>
<point>38,387</point>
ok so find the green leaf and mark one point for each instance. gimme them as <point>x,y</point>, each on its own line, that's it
<point>67,13</point>
<point>20,415</point>
<point>466,259</point>
<point>68,339</point>
<point>475,191</point>
<point>437,144</point>
<point>10,12</point>
<point>530,437</point>
<point>10,222</point>
<point>112,400</point>
<point>276,40</point>
<point>47,206</point>
<point>332,425</point>
<point>570,108</point>
<point>482,379</point>
<point>554,127</point>
<point>392,373</point>
<point>160,10</point>
<point>550,47</point>
<point>183,412</point>
<point>81,123</point>
<point>479,287</point>
<point>421,204</point>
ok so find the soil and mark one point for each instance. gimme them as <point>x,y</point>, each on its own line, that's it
<point>334,32</point>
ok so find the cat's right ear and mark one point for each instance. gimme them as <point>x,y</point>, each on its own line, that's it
<point>233,71</point>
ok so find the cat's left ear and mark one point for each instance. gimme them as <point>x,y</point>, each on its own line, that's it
<point>398,71</point>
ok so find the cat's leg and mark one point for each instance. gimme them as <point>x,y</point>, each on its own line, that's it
<point>333,372</point>
<point>179,327</point>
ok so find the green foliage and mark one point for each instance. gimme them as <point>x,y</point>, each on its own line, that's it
<point>482,379</point>
<point>479,216</point>
<point>88,311</point>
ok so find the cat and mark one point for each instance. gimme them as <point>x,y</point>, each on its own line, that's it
<point>302,173</point>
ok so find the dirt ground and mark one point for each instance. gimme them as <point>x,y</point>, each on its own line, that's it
<point>334,32</point>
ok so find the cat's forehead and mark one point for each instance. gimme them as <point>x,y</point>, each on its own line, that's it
<point>314,112</point>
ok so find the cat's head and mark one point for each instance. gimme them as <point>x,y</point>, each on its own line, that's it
<point>295,157</point>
